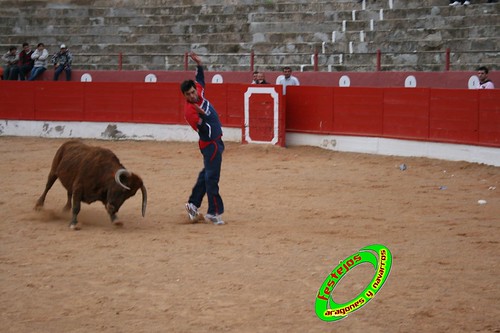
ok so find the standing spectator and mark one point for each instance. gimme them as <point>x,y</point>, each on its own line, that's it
<point>25,61</point>
<point>40,57</point>
<point>261,79</point>
<point>484,82</point>
<point>202,117</point>
<point>287,79</point>
<point>62,62</point>
<point>10,60</point>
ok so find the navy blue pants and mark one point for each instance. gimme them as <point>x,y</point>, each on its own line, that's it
<point>208,179</point>
<point>35,72</point>
<point>59,70</point>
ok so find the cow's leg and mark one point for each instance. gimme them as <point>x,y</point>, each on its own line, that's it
<point>76,209</point>
<point>50,181</point>
<point>67,207</point>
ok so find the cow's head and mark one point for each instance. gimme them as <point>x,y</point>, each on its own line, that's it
<point>126,185</point>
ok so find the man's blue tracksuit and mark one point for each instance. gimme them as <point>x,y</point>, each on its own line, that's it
<point>211,146</point>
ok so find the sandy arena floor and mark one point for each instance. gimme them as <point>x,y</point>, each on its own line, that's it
<point>292,214</point>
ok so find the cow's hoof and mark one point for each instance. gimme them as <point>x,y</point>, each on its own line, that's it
<point>118,223</point>
<point>74,227</point>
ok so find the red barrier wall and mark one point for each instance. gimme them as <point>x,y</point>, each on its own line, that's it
<point>427,114</point>
<point>406,113</point>
<point>440,115</point>
<point>489,117</point>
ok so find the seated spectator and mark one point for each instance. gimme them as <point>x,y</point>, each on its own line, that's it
<point>40,57</point>
<point>25,62</point>
<point>62,62</point>
<point>261,79</point>
<point>10,60</point>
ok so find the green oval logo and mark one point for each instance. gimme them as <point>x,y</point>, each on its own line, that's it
<point>377,255</point>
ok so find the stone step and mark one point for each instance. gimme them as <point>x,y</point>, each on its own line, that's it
<point>432,34</point>
<point>111,8</point>
<point>403,45</point>
<point>138,20</point>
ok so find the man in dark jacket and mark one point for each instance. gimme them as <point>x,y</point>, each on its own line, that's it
<point>25,62</point>
<point>62,62</point>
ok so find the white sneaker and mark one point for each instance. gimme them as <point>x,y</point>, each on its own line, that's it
<point>466,3</point>
<point>193,213</point>
<point>215,219</point>
<point>454,4</point>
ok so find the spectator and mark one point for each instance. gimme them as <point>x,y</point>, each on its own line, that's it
<point>287,79</point>
<point>10,59</point>
<point>40,57</point>
<point>254,77</point>
<point>261,78</point>
<point>484,82</point>
<point>454,3</point>
<point>25,62</point>
<point>62,62</point>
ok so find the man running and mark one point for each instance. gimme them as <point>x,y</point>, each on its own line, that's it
<point>203,118</point>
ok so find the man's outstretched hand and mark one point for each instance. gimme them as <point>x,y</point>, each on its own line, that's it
<point>195,58</point>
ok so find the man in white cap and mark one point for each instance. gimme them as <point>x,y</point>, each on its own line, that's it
<point>62,62</point>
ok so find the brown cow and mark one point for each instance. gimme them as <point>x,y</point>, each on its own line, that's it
<point>90,174</point>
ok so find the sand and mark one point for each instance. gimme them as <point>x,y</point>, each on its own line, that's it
<point>292,214</point>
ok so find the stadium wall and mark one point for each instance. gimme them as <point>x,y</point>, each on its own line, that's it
<point>439,123</point>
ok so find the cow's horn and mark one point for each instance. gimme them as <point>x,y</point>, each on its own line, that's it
<point>144,199</point>
<point>118,175</point>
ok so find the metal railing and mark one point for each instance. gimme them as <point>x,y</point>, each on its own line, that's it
<point>370,61</point>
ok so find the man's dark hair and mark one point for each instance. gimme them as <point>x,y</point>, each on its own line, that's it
<point>12,48</point>
<point>186,85</point>
<point>40,44</point>
<point>483,68</point>
<point>287,67</point>
<point>25,44</point>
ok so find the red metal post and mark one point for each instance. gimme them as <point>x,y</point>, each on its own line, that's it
<point>447,59</point>
<point>120,61</point>
<point>379,61</point>
<point>252,59</point>
<point>186,61</point>
<point>315,59</point>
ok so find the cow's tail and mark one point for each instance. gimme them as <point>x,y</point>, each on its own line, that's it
<point>144,199</point>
